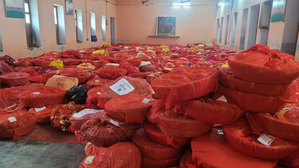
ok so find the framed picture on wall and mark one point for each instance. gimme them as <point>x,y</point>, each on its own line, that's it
<point>278,10</point>
<point>166,26</point>
<point>14,8</point>
<point>69,7</point>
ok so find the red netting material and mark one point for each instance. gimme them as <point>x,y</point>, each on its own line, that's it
<point>97,82</point>
<point>252,102</point>
<point>131,69</point>
<point>244,139</point>
<point>14,125</point>
<point>261,65</point>
<point>185,83</point>
<point>292,161</point>
<point>212,150</point>
<point>78,119</point>
<point>100,132</point>
<point>283,124</point>
<point>212,111</point>
<point>228,80</point>
<point>94,93</point>
<point>43,114</point>
<point>152,150</point>
<point>141,87</point>
<point>39,97</point>
<point>187,157</point>
<point>155,135</point>
<point>176,124</point>
<point>129,108</point>
<point>110,72</point>
<point>15,78</point>
<point>119,155</point>
<point>149,163</point>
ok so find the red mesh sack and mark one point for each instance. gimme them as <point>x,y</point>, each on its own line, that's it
<point>39,97</point>
<point>104,131</point>
<point>154,134</point>
<point>213,111</point>
<point>140,87</point>
<point>39,78</point>
<point>14,125</point>
<point>261,65</point>
<point>227,79</point>
<point>119,155</point>
<point>40,62</point>
<point>252,102</point>
<point>61,114</point>
<point>99,63</point>
<point>80,138</point>
<point>78,119</point>
<point>149,163</point>
<point>15,78</point>
<point>187,157</point>
<point>23,62</point>
<point>131,69</point>
<point>129,108</point>
<point>110,72</point>
<point>94,93</point>
<point>134,61</point>
<point>149,68</point>
<point>185,83</point>
<point>176,124</point>
<point>212,150</point>
<point>82,75</point>
<point>43,114</point>
<point>152,150</point>
<point>283,124</point>
<point>71,61</point>
<point>97,82</point>
<point>70,52</point>
<point>5,68</point>
<point>141,75</point>
<point>244,139</point>
<point>292,161</point>
<point>24,69</point>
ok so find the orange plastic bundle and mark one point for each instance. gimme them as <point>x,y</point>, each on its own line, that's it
<point>228,80</point>
<point>103,131</point>
<point>86,66</point>
<point>119,155</point>
<point>212,150</point>
<point>129,108</point>
<point>15,78</point>
<point>43,114</point>
<point>16,124</point>
<point>283,124</point>
<point>245,140</point>
<point>40,97</point>
<point>261,65</point>
<point>155,155</point>
<point>213,111</point>
<point>175,123</point>
<point>110,72</point>
<point>185,83</point>
<point>124,85</point>
<point>154,134</point>
<point>252,102</point>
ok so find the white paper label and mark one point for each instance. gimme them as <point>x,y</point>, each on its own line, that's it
<point>40,109</point>
<point>10,106</point>
<point>98,93</point>
<point>89,159</point>
<point>97,80</point>
<point>220,132</point>
<point>146,101</point>
<point>222,98</point>
<point>122,87</point>
<point>35,93</point>
<point>266,139</point>
<point>12,119</point>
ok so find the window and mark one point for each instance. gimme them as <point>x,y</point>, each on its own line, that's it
<point>1,46</point>
<point>59,24</point>
<point>221,26</point>
<point>243,29</point>
<point>103,28</point>
<point>232,44</point>
<point>226,29</point>
<point>79,26</point>
<point>93,27</point>
<point>32,23</point>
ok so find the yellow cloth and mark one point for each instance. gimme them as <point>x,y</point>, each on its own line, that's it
<point>57,63</point>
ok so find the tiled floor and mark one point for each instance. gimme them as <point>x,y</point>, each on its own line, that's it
<point>38,154</point>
